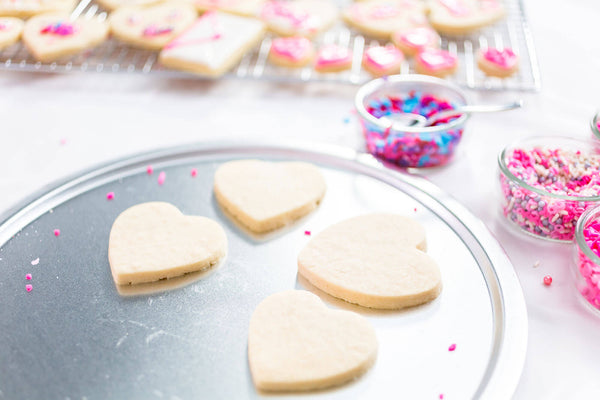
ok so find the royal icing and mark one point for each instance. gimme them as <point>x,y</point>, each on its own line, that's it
<point>4,26</point>
<point>383,58</point>
<point>418,38</point>
<point>435,59</point>
<point>505,59</point>
<point>292,48</point>
<point>333,55</point>
<point>59,28</point>
<point>281,10</point>
<point>154,30</point>
<point>384,11</point>
<point>456,7</point>
<point>205,30</point>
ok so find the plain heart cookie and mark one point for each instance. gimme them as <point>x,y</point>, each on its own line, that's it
<point>151,27</point>
<point>375,260</point>
<point>51,36</point>
<point>264,196</point>
<point>457,17</point>
<point>153,241</point>
<point>296,343</point>
<point>10,31</point>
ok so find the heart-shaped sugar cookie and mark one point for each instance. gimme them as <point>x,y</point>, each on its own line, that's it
<point>29,8</point>
<point>374,261</point>
<point>296,343</point>
<point>152,241</point>
<point>268,195</point>
<point>51,36</point>
<point>10,31</point>
<point>151,27</point>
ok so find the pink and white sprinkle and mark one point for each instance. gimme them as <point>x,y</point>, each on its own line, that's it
<point>452,347</point>
<point>194,172</point>
<point>29,288</point>
<point>307,233</point>
<point>57,232</point>
<point>149,170</point>
<point>161,177</point>
<point>36,261</point>
<point>110,195</point>
<point>28,277</point>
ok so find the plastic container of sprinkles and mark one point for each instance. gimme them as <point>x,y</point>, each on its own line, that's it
<point>407,146</point>
<point>546,184</point>
<point>587,258</point>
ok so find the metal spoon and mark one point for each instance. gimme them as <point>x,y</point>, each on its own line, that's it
<point>403,120</point>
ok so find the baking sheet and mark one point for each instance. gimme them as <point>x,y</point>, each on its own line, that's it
<point>114,57</point>
<point>75,336</point>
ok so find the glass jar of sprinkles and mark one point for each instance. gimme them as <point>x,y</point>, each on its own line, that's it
<point>587,257</point>
<point>546,183</point>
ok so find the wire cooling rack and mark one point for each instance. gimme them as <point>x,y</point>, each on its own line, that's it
<point>112,56</point>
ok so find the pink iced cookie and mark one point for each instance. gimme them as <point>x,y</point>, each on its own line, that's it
<point>456,17</point>
<point>380,18</point>
<point>333,58</point>
<point>413,40</point>
<point>298,18</point>
<point>500,63</point>
<point>291,52</point>
<point>245,8</point>
<point>10,31</point>
<point>383,60</point>
<point>436,62</point>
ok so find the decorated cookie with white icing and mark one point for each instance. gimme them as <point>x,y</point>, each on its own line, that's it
<point>499,63</point>
<point>114,4</point>
<point>413,40</point>
<point>374,260</point>
<point>298,18</point>
<point>28,8</point>
<point>436,62</point>
<point>49,37</point>
<point>213,44</point>
<point>296,343</point>
<point>381,18</point>
<point>456,17</point>
<point>151,27</point>
<point>383,60</point>
<point>153,241</point>
<point>246,8</point>
<point>264,196</point>
<point>10,31</point>
<point>333,58</point>
<point>291,52</point>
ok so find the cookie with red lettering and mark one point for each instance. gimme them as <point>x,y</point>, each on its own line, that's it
<point>49,37</point>
<point>413,40</point>
<point>246,8</point>
<point>10,31</point>
<point>305,18</point>
<point>333,58</point>
<point>381,18</point>
<point>499,63</point>
<point>151,27</point>
<point>457,17</point>
<point>383,60</point>
<point>436,62</point>
<point>291,52</point>
<point>213,44</point>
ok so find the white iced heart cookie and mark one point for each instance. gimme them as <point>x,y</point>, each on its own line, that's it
<point>298,18</point>
<point>152,241</point>
<point>296,343</point>
<point>213,44</point>
<point>28,8</point>
<point>49,37</point>
<point>374,260</point>
<point>268,195</point>
<point>456,17</point>
<point>10,31</point>
<point>151,27</point>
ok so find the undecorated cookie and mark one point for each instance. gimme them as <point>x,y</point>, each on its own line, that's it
<point>380,18</point>
<point>500,63</point>
<point>152,241</point>
<point>213,44</point>
<point>375,260</point>
<point>456,17</point>
<point>264,196</point>
<point>151,27</point>
<point>299,17</point>
<point>112,5</point>
<point>296,343</point>
<point>291,52</point>
<point>10,31</point>
<point>246,8</point>
<point>29,8</point>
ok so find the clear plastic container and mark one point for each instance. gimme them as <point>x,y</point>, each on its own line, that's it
<point>586,261</point>
<point>534,209</point>
<point>408,146</point>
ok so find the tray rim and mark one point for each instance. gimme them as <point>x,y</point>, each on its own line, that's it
<point>507,357</point>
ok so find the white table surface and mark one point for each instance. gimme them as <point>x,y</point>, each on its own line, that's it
<point>103,116</point>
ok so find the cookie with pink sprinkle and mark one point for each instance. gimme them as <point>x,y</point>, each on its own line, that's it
<point>501,63</point>
<point>10,31</point>
<point>291,52</point>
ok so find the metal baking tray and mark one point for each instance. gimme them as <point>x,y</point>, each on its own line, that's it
<point>75,336</point>
<point>112,56</point>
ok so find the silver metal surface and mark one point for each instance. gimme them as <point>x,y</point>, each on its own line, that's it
<point>75,336</point>
<point>113,56</point>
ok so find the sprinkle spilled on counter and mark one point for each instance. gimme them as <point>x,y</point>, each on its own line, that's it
<point>149,170</point>
<point>110,195</point>
<point>29,288</point>
<point>28,277</point>
<point>161,177</point>
<point>307,233</point>
<point>547,280</point>
<point>36,261</point>
<point>452,347</point>
<point>194,172</point>
<point>57,232</point>
<point>536,264</point>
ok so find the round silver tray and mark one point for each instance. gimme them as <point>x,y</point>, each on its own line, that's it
<point>75,336</point>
